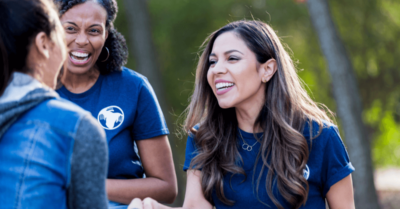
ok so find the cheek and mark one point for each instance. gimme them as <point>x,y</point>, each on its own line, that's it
<point>97,44</point>
<point>209,79</point>
<point>69,39</point>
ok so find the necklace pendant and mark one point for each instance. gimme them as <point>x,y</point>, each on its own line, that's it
<point>247,147</point>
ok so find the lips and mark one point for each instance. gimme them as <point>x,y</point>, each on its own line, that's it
<point>223,86</point>
<point>79,57</point>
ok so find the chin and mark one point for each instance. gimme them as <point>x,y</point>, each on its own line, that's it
<point>224,105</point>
<point>78,70</point>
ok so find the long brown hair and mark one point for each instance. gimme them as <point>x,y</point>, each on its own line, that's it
<point>287,108</point>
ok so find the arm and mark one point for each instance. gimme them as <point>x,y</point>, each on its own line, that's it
<point>88,167</point>
<point>160,182</point>
<point>340,195</point>
<point>194,197</point>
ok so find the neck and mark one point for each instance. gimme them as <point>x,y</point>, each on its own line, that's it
<point>247,114</point>
<point>79,83</point>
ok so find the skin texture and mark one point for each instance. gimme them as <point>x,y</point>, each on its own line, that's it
<point>341,194</point>
<point>233,61</point>
<point>46,56</point>
<point>160,182</point>
<point>85,28</point>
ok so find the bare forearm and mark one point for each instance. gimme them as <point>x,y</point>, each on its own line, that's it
<point>124,190</point>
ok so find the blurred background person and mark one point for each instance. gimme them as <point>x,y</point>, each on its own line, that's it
<point>53,153</point>
<point>123,101</point>
<point>256,139</point>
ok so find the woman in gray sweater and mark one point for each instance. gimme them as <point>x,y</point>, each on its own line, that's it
<point>53,153</point>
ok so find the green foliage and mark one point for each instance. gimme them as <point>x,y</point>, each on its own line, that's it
<point>369,28</point>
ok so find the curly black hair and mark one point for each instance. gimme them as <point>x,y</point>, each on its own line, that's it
<point>115,42</point>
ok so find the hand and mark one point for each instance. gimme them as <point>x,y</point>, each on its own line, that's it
<point>136,204</point>
<point>147,203</point>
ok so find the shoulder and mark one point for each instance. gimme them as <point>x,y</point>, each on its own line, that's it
<point>59,112</point>
<point>192,132</point>
<point>62,105</point>
<point>313,129</point>
<point>319,136</point>
<point>127,76</point>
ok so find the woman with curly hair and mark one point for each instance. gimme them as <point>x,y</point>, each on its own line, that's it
<point>256,139</point>
<point>122,101</point>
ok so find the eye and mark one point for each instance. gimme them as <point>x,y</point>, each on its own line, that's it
<point>93,30</point>
<point>70,29</point>
<point>212,62</point>
<point>233,58</point>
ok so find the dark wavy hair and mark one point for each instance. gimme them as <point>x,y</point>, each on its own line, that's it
<point>115,42</point>
<point>287,108</point>
<point>20,22</point>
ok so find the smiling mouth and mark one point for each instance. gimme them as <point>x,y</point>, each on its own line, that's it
<point>79,57</point>
<point>223,86</point>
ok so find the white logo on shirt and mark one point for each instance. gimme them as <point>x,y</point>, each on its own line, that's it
<point>111,117</point>
<point>306,172</point>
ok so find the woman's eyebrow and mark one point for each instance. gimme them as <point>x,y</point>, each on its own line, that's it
<point>95,25</point>
<point>72,23</point>
<point>232,50</point>
<point>227,52</point>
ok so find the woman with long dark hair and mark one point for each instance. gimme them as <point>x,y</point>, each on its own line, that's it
<point>53,153</point>
<point>122,100</point>
<point>256,139</point>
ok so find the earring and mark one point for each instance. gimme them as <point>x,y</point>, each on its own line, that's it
<point>264,80</point>
<point>108,54</point>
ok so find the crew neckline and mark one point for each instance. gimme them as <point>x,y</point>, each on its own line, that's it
<point>83,94</point>
<point>248,135</point>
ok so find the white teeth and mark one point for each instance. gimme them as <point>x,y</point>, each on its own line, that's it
<point>220,86</point>
<point>76,60</point>
<point>80,54</point>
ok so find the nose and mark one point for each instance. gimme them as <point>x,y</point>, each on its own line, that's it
<point>219,68</point>
<point>82,39</point>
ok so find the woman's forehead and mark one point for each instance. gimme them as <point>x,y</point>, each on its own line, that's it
<point>229,41</point>
<point>88,11</point>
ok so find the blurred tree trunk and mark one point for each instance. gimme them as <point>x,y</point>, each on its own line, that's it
<point>147,64</point>
<point>348,102</point>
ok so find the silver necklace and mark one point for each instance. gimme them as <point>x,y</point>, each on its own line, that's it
<point>246,146</point>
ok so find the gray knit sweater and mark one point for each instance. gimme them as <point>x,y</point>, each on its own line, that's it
<point>90,153</point>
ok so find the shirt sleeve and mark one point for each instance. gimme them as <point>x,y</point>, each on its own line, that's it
<point>336,162</point>
<point>89,165</point>
<point>190,153</point>
<point>149,121</point>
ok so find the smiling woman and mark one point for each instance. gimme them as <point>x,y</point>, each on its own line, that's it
<point>256,139</point>
<point>122,100</point>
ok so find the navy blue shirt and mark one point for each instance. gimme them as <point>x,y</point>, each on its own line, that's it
<point>328,163</point>
<point>126,106</point>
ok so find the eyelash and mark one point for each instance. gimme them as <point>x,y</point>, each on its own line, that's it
<point>70,28</point>
<point>213,62</point>
<point>94,31</point>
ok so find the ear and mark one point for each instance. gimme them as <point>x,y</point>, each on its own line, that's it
<point>268,69</point>
<point>42,44</point>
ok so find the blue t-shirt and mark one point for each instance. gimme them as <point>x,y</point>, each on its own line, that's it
<point>126,106</point>
<point>328,163</point>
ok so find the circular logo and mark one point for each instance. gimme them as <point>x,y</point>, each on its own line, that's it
<point>306,172</point>
<point>111,117</point>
